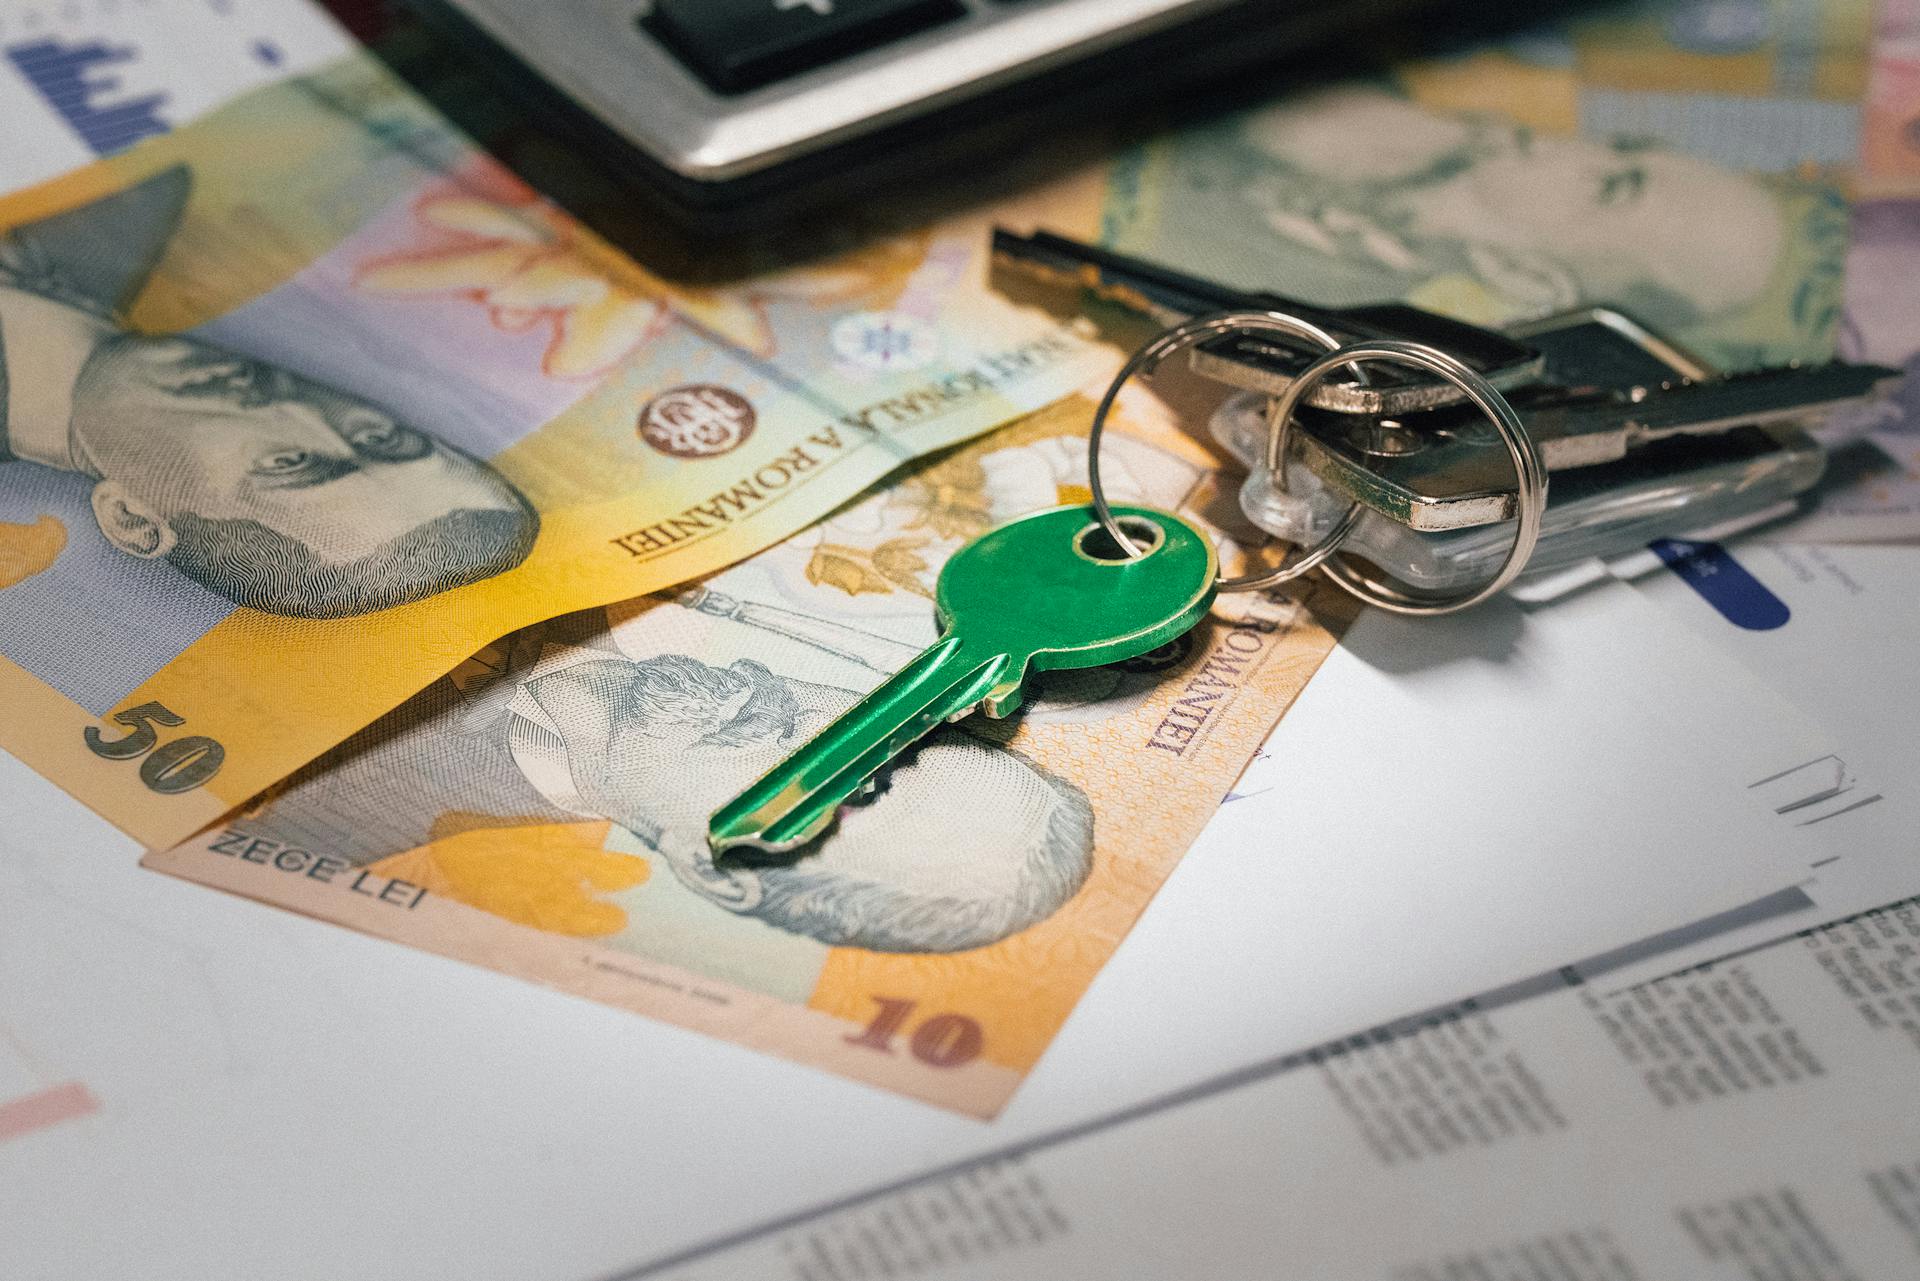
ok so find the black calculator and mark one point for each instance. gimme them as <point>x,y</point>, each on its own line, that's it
<point>735,111</point>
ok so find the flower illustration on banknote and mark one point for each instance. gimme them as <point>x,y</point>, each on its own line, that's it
<point>897,541</point>
<point>895,565</point>
<point>949,498</point>
<point>946,502</point>
<point>531,266</point>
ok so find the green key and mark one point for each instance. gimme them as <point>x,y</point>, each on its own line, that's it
<point>1047,591</point>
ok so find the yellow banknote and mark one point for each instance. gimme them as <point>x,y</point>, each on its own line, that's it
<point>542,811</point>
<point>307,399</point>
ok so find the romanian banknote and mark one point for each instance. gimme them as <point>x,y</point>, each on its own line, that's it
<point>542,810</point>
<point>1669,159</point>
<point>303,398</point>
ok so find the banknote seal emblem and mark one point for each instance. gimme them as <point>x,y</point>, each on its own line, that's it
<point>697,421</point>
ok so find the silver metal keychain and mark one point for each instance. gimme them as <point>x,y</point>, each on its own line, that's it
<point>1530,470</point>
<point>1644,440</point>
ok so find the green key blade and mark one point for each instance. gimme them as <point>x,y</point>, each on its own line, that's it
<point>1047,591</point>
<point>796,800</point>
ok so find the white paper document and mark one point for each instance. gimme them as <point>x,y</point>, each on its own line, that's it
<point>1752,1122</point>
<point>1448,807</point>
<point>1835,629</point>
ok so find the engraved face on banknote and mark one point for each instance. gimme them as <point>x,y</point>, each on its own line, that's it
<point>1358,194</point>
<point>1368,177</point>
<point>281,494</point>
<point>656,745</point>
<point>265,487</point>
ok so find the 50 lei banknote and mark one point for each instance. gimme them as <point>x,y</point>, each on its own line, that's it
<point>542,810</point>
<point>303,399</point>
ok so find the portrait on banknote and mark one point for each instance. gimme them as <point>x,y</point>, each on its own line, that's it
<point>264,487</point>
<point>653,745</point>
<point>1361,192</point>
<point>1547,221</point>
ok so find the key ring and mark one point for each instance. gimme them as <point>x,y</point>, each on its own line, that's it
<point>1189,334</point>
<point>1530,470</point>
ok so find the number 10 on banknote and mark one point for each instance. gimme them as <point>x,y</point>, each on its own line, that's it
<point>304,401</point>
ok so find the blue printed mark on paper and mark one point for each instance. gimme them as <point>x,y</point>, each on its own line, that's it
<point>78,81</point>
<point>1724,583</point>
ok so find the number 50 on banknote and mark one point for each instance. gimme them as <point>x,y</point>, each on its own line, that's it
<point>306,400</point>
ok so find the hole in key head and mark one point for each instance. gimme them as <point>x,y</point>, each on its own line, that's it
<point>1095,543</point>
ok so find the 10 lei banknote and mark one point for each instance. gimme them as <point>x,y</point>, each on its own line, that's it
<point>542,810</point>
<point>303,399</point>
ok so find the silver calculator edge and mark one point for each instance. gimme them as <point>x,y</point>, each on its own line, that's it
<point>633,85</point>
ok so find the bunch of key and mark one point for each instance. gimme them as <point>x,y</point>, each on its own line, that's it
<point>1407,471</point>
<point>1641,439</point>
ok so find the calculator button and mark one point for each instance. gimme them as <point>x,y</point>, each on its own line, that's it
<point>735,45</point>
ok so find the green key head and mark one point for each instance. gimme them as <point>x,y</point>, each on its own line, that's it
<point>1054,590</point>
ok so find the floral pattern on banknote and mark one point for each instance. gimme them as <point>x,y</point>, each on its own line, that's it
<point>529,264</point>
<point>487,238</point>
<point>895,565</point>
<point>946,501</point>
<point>950,498</point>
<point>519,263</point>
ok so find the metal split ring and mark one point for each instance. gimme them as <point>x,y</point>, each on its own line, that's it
<point>1146,360</point>
<point>1530,470</point>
